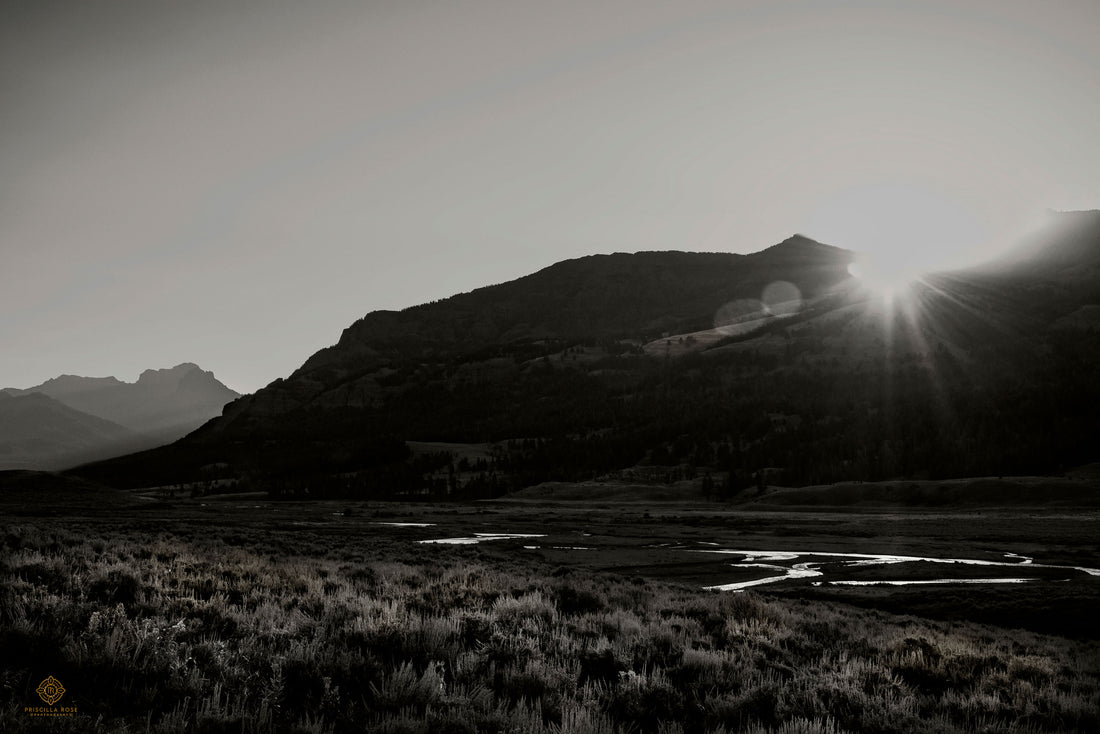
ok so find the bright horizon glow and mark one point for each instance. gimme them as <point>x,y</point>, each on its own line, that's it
<point>900,230</point>
<point>888,282</point>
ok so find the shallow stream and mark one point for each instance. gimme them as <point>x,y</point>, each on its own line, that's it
<point>826,561</point>
<point>762,567</point>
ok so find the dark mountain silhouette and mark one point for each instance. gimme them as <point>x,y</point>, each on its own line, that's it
<point>596,298</point>
<point>70,419</point>
<point>670,365</point>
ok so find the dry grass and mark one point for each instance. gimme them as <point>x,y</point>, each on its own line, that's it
<point>249,631</point>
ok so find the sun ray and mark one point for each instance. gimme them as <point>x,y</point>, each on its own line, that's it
<point>927,325</point>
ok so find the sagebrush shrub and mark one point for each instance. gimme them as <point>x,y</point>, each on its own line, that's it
<point>200,635</point>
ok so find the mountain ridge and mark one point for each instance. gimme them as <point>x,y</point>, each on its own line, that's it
<point>41,432</point>
<point>564,374</point>
<point>604,296</point>
<point>162,405</point>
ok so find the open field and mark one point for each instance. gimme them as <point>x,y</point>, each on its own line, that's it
<point>243,614</point>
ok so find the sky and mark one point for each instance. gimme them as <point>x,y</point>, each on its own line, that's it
<point>233,184</point>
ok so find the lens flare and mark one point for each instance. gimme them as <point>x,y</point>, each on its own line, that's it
<point>782,298</point>
<point>908,227</point>
<point>889,282</point>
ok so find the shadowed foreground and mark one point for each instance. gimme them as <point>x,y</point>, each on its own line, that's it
<point>199,629</point>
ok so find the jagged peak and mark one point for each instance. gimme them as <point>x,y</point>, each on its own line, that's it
<point>169,373</point>
<point>183,367</point>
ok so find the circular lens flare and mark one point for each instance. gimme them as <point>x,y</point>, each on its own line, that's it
<point>782,298</point>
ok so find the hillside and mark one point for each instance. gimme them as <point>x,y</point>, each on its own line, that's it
<point>1000,492</point>
<point>563,375</point>
<point>71,419</point>
<point>165,402</point>
<point>595,299</point>
<point>38,432</point>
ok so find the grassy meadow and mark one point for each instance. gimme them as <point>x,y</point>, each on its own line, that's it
<point>198,625</point>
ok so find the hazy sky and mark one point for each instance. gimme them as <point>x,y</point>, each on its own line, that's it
<point>233,183</point>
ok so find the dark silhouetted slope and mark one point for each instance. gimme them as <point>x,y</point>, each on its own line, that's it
<point>970,373</point>
<point>597,298</point>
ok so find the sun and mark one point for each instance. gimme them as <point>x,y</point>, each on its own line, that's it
<point>899,231</point>
<point>889,280</point>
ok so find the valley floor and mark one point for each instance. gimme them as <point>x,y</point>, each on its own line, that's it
<point>242,614</point>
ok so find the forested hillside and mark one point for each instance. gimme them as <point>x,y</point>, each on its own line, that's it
<point>965,373</point>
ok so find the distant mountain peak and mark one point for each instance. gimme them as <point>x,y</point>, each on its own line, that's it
<point>75,383</point>
<point>799,245</point>
<point>163,404</point>
<point>173,373</point>
<point>796,239</point>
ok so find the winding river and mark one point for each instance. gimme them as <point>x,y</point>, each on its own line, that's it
<point>812,568</point>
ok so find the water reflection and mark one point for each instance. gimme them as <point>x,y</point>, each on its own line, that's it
<point>406,524</point>
<point>930,581</point>
<point>771,558</point>
<point>479,538</point>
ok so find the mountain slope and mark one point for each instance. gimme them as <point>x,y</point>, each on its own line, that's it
<point>1065,246</point>
<point>967,374</point>
<point>595,299</point>
<point>38,432</point>
<point>167,403</point>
